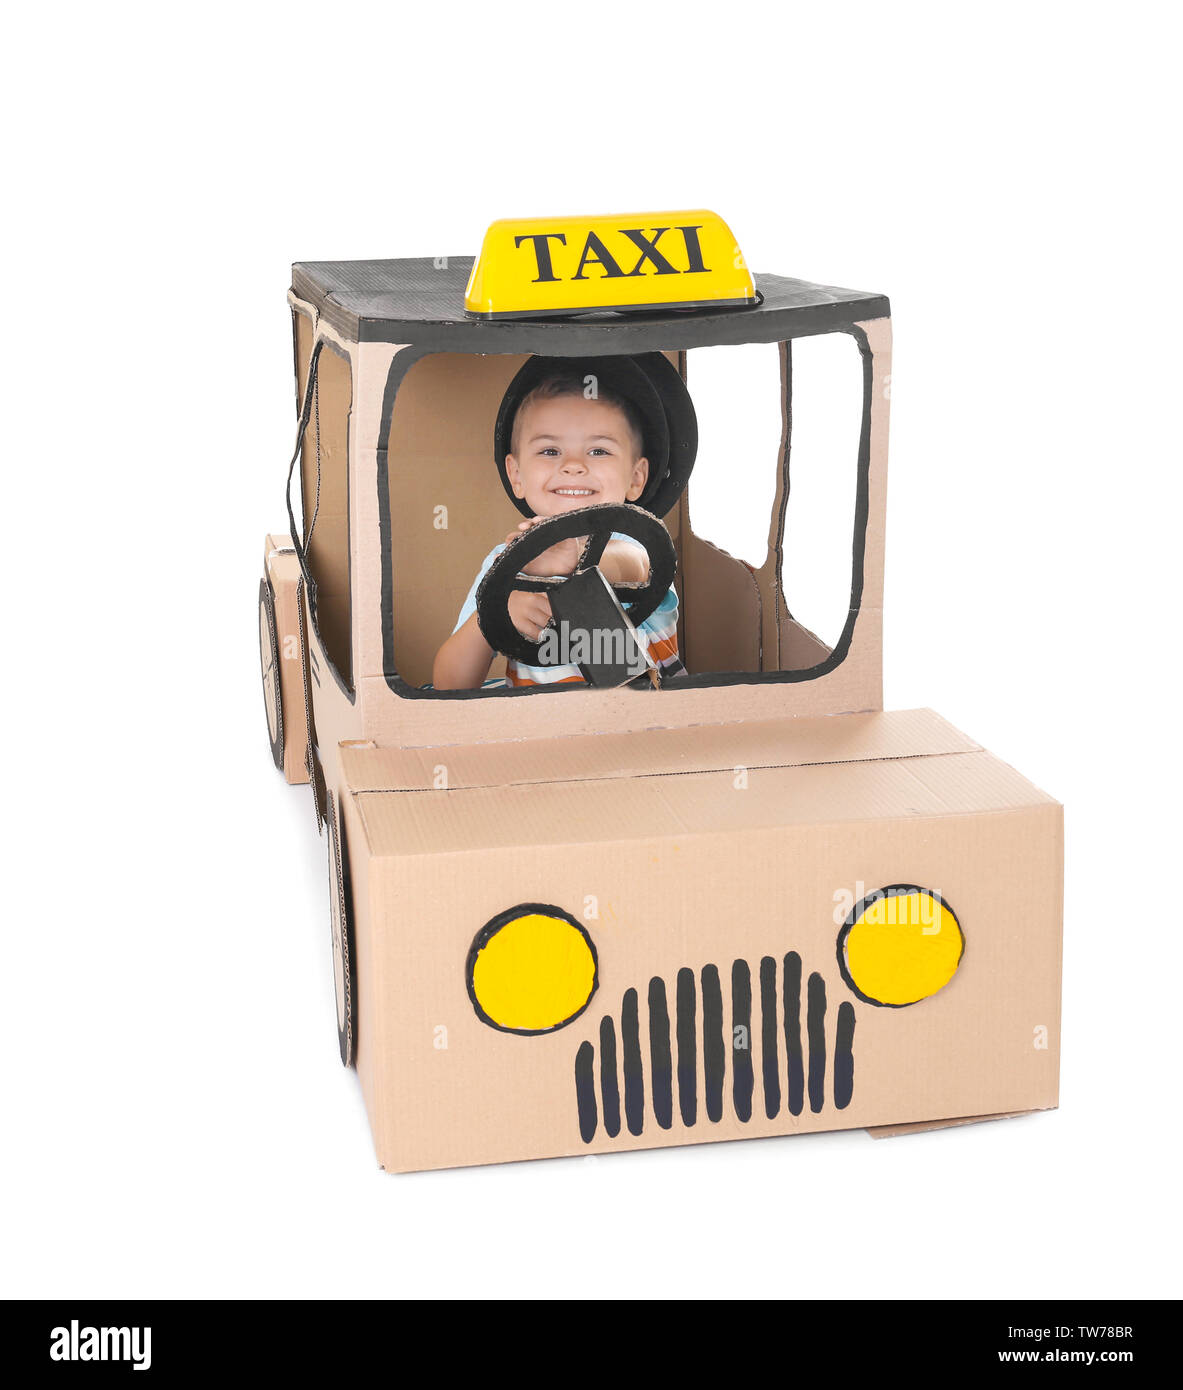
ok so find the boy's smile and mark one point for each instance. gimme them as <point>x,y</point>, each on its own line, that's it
<point>572,452</point>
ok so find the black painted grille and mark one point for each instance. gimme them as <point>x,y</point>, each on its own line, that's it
<point>791,1049</point>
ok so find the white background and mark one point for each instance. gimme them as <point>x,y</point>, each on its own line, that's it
<point>175,1119</point>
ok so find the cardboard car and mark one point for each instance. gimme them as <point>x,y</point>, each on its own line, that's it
<point>598,917</point>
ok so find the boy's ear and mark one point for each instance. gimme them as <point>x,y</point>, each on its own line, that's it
<point>514,474</point>
<point>639,479</point>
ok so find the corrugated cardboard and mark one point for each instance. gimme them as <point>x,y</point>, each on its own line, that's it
<point>690,864</point>
<point>708,841</point>
<point>656,752</point>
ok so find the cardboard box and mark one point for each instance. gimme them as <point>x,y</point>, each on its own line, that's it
<point>722,860</point>
<point>579,920</point>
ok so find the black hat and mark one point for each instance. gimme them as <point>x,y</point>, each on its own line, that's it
<point>655,387</point>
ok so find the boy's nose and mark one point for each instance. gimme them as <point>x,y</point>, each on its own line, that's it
<point>574,464</point>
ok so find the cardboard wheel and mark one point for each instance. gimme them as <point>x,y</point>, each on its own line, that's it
<point>342,948</point>
<point>269,661</point>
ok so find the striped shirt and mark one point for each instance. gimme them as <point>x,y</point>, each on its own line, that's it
<point>659,633</point>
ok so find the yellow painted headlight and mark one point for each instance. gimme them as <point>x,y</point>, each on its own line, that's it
<point>900,945</point>
<point>531,969</point>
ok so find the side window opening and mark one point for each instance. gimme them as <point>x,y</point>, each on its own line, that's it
<point>818,547</point>
<point>775,490</point>
<point>737,398</point>
<point>324,492</point>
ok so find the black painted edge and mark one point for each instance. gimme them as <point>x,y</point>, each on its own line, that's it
<point>402,363</point>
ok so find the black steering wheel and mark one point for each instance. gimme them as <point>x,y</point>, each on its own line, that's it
<point>597,523</point>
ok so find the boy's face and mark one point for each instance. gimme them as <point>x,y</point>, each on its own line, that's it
<point>573,452</point>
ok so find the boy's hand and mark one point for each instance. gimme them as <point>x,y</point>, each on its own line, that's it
<point>560,558</point>
<point>529,613</point>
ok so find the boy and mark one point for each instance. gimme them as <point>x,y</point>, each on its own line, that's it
<point>567,451</point>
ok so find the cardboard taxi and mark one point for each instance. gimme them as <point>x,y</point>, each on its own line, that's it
<point>745,901</point>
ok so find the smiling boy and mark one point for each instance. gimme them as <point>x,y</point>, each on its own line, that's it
<point>567,451</point>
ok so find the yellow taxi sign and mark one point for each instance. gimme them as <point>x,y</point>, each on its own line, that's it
<point>540,266</point>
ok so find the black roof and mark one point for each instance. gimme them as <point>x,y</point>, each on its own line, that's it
<point>421,303</point>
